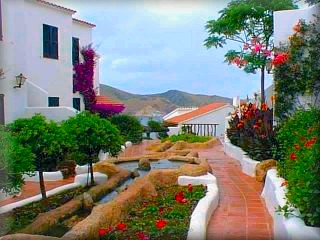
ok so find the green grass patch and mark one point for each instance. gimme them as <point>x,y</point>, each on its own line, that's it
<point>189,138</point>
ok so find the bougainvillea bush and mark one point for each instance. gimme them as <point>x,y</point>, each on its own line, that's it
<point>297,70</point>
<point>251,129</point>
<point>166,216</point>
<point>299,162</point>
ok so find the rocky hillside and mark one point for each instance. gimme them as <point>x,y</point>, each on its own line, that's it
<point>161,103</point>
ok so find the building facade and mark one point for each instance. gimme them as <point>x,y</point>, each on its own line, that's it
<point>40,41</point>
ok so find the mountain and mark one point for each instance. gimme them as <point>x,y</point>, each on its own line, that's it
<point>161,103</point>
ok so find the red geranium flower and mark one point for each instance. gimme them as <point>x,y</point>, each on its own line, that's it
<point>190,188</point>
<point>142,236</point>
<point>256,126</point>
<point>180,197</point>
<point>161,210</point>
<point>104,231</point>
<point>297,147</point>
<point>121,226</point>
<point>310,142</point>
<point>285,183</point>
<point>293,156</point>
<point>161,223</point>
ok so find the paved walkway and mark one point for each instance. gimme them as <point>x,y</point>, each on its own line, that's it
<point>241,213</point>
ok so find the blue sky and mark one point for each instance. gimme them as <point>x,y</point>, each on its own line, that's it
<point>154,46</point>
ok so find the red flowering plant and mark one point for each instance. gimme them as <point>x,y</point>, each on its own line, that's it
<point>252,130</point>
<point>296,70</point>
<point>298,153</point>
<point>165,216</point>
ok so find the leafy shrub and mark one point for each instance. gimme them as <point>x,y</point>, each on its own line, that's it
<point>253,131</point>
<point>299,162</point>
<point>89,134</point>
<point>155,126</point>
<point>129,126</point>
<point>15,160</point>
<point>190,138</point>
<point>46,140</point>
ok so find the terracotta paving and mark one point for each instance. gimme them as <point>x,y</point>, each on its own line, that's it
<point>241,213</point>
<point>32,188</point>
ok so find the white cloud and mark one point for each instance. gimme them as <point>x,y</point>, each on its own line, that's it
<point>118,62</point>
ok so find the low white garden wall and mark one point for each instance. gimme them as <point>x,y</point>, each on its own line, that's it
<point>47,176</point>
<point>291,228</point>
<point>248,165</point>
<point>205,207</point>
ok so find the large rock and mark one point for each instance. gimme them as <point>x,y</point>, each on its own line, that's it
<point>106,167</point>
<point>263,167</point>
<point>87,202</point>
<point>180,145</point>
<point>163,146</point>
<point>144,164</point>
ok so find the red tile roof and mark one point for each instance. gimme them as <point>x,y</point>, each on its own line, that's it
<point>198,112</point>
<point>83,22</point>
<point>106,100</point>
<point>57,6</point>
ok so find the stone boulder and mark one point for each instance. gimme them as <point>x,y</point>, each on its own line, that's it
<point>163,146</point>
<point>180,145</point>
<point>144,164</point>
<point>135,173</point>
<point>106,167</point>
<point>263,167</point>
<point>87,202</point>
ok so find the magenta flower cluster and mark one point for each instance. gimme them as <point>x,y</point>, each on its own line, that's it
<point>83,76</point>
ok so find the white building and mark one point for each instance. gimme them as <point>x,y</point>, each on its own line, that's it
<point>201,120</point>
<point>179,111</point>
<point>40,40</point>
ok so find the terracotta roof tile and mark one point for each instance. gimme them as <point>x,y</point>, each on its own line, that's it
<point>106,100</point>
<point>83,22</point>
<point>57,6</point>
<point>200,111</point>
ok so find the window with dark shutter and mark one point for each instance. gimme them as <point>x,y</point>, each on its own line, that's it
<point>50,41</point>
<point>76,104</point>
<point>75,50</point>
<point>53,101</point>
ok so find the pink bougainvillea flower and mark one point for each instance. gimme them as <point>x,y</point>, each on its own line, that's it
<point>267,53</point>
<point>297,147</point>
<point>285,183</point>
<point>190,188</point>
<point>142,236</point>
<point>161,223</point>
<point>121,226</point>
<point>257,47</point>
<point>293,156</point>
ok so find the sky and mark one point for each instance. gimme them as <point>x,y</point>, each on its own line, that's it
<point>154,46</point>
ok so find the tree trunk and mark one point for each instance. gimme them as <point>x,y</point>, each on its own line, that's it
<point>42,186</point>
<point>262,84</point>
<point>91,173</point>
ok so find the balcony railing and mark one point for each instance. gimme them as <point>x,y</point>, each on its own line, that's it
<point>201,129</point>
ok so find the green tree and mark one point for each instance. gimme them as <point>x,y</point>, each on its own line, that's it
<point>249,23</point>
<point>15,161</point>
<point>155,126</point>
<point>89,134</point>
<point>129,126</point>
<point>46,140</point>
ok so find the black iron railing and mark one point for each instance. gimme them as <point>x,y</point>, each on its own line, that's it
<point>201,129</point>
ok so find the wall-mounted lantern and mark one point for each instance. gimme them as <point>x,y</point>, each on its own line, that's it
<point>20,80</point>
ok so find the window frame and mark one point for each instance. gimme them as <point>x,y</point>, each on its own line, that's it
<point>50,39</point>
<point>75,54</point>
<point>51,98</point>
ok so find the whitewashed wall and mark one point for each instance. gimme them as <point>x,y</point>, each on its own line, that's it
<point>217,116</point>
<point>22,52</point>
